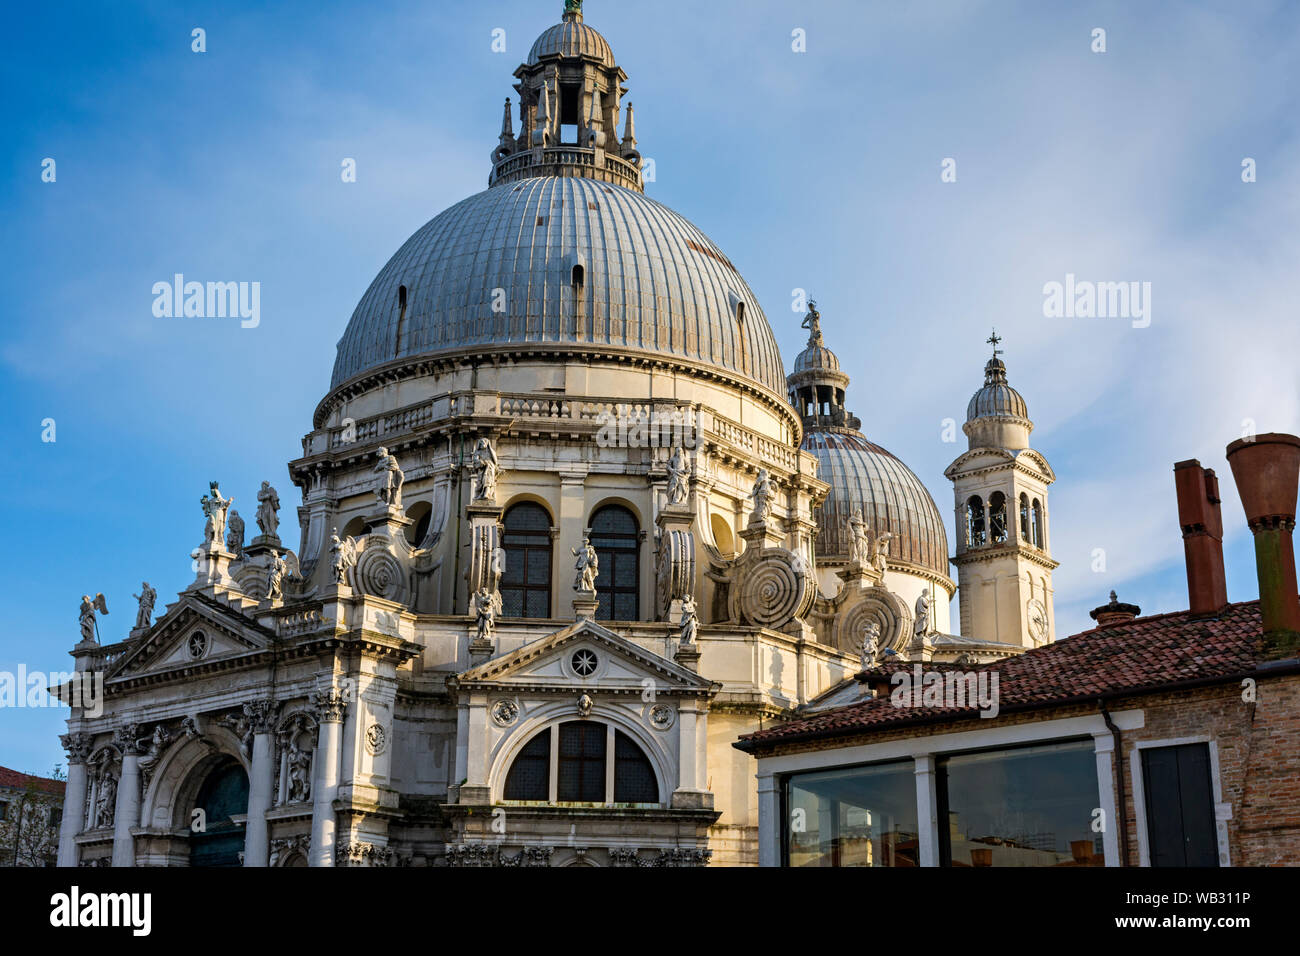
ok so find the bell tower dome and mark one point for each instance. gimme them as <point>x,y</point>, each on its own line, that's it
<point>1004,558</point>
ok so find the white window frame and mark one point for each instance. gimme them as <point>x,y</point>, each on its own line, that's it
<point>1222,808</point>
<point>925,752</point>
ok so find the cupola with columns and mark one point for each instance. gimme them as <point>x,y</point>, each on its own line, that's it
<point>570,98</point>
<point>1004,561</point>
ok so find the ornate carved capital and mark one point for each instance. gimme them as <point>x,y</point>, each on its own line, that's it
<point>328,706</point>
<point>261,715</point>
<point>127,737</point>
<point>78,746</point>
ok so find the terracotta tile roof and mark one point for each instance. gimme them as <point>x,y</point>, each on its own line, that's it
<point>1141,655</point>
<point>18,781</point>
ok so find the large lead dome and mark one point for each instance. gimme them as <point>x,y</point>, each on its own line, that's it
<point>564,253</point>
<point>561,261</point>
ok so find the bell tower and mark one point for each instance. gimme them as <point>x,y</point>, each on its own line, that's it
<point>1004,556</point>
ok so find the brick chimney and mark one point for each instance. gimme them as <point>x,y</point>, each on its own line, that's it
<point>1201,519</point>
<point>1267,472</point>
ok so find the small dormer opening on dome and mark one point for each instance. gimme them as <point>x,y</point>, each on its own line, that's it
<point>570,95</point>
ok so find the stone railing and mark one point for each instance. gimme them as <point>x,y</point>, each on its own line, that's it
<point>593,411</point>
<point>567,160</point>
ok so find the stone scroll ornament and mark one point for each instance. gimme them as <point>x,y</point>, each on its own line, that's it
<point>878,606</point>
<point>676,566</point>
<point>379,574</point>
<point>772,588</point>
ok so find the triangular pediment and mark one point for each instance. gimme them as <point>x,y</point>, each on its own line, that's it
<point>585,655</point>
<point>194,631</point>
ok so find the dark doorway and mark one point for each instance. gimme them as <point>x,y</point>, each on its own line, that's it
<point>224,794</point>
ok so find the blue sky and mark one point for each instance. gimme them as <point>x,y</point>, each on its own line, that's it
<point>816,170</point>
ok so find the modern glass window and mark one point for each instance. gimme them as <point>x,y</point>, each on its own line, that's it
<point>854,816</point>
<point>1028,806</point>
<point>578,755</point>
<point>1179,798</point>
<point>616,538</point>
<point>526,583</point>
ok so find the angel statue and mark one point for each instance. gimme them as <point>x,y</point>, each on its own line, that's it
<point>678,472</point>
<point>235,534</point>
<point>88,609</point>
<point>690,622</point>
<point>214,507</point>
<point>588,566</point>
<point>762,497</point>
<point>486,470</point>
<point>268,510</point>
<point>390,488</point>
<point>859,551</point>
<point>487,604</point>
<point>345,555</point>
<point>146,597</point>
<point>870,644</point>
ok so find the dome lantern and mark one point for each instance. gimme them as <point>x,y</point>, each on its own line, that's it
<point>997,415</point>
<point>570,94</point>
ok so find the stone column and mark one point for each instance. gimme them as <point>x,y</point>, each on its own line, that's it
<point>257,844</point>
<point>126,812</point>
<point>329,706</point>
<point>78,746</point>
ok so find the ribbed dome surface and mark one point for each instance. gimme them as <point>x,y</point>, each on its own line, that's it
<point>816,356</point>
<point>996,398</point>
<point>892,498</point>
<point>651,281</point>
<point>571,38</point>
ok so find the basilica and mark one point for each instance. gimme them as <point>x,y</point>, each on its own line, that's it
<point>568,529</point>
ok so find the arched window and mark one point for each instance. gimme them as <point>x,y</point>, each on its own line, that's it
<point>998,517</point>
<point>1038,524</point>
<point>974,522</point>
<point>526,584</point>
<point>634,778</point>
<point>530,774</point>
<point>1025,534</point>
<point>616,538</point>
<point>577,755</point>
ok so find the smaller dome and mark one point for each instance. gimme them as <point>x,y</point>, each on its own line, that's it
<point>572,38</point>
<point>816,357</point>
<point>996,399</point>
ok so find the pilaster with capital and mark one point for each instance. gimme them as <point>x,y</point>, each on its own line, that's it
<point>330,707</point>
<point>261,715</point>
<point>126,813</point>
<point>78,746</point>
